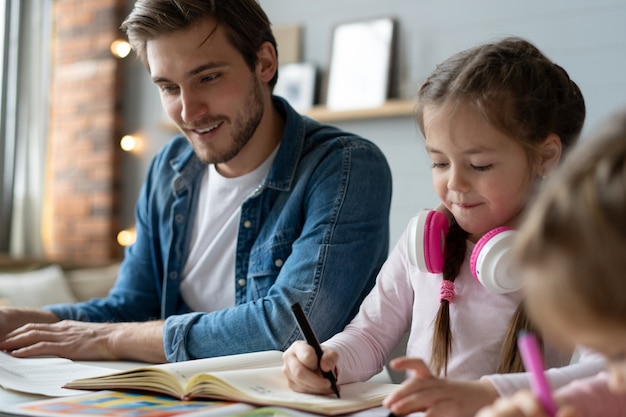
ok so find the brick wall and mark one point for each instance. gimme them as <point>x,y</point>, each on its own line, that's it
<point>84,130</point>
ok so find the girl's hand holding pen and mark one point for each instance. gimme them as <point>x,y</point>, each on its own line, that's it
<point>301,370</point>
<point>539,402</point>
<point>438,397</point>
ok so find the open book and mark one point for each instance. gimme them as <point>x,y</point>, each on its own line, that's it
<point>254,378</point>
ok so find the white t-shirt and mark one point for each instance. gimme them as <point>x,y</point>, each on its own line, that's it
<point>209,274</point>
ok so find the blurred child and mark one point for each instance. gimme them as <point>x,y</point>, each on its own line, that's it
<point>496,119</point>
<point>572,254</point>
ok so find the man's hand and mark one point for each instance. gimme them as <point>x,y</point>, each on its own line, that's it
<point>522,404</point>
<point>438,397</point>
<point>88,341</point>
<point>13,317</point>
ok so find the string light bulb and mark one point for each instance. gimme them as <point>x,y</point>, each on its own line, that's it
<point>126,237</point>
<point>120,48</point>
<point>130,143</point>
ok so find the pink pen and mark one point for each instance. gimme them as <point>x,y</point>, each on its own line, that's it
<point>533,362</point>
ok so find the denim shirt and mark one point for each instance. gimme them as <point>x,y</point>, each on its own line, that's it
<point>316,231</point>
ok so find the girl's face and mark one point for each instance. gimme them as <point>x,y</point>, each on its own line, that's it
<point>482,176</point>
<point>608,339</point>
<point>566,322</point>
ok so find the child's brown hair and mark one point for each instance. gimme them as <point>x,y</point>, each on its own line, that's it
<point>575,233</point>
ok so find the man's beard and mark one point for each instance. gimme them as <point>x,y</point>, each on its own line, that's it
<point>244,125</point>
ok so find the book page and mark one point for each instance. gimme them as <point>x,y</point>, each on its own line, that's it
<point>43,375</point>
<point>269,387</point>
<point>171,378</point>
<point>254,360</point>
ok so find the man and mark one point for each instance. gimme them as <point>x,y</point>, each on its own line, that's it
<point>253,209</point>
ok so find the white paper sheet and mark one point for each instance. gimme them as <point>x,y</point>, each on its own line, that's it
<point>44,376</point>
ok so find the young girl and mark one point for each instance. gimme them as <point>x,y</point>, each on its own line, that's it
<point>496,119</point>
<point>571,251</point>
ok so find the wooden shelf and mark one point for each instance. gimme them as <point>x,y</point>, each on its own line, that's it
<point>392,108</point>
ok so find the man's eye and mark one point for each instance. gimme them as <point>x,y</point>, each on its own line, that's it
<point>169,89</point>
<point>209,78</point>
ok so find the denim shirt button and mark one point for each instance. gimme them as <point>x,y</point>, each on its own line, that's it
<point>241,282</point>
<point>179,218</point>
<point>173,275</point>
<point>278,262</point>
<point>247,224</point>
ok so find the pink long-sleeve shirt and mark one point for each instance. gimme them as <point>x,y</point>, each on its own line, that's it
<point>406,299</point>
<point>592,397</point>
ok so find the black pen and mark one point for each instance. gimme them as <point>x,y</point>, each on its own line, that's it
<point>311,339</point>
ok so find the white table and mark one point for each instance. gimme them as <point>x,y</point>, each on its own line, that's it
<point>9,397</point>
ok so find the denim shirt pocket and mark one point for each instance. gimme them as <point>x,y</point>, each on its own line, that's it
<point>266,262</point>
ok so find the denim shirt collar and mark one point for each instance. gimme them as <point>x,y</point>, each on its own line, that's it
<point>283,170</point>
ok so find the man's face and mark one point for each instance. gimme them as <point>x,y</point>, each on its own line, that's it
<point>207,89</point>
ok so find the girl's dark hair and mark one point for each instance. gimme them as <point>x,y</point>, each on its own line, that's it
<point>246,24</point>
<point>527,97</point>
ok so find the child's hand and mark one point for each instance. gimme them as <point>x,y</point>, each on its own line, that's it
<point>438,396</point>
<point>301,370</point>
<point>522,404</point>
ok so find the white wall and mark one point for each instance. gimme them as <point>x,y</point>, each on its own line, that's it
<point>586,37</point>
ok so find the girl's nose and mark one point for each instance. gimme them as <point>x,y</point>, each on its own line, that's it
<point>457,180</point>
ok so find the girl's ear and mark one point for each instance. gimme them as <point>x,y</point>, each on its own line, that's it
<point>267,62</point>
<point>550,154</point>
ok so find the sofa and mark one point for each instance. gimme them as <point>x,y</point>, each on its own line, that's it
<point>35,282</point>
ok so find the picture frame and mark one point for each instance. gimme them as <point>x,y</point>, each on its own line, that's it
<point>360,68</point>
<point>297,84</point>
<point>289,42</point>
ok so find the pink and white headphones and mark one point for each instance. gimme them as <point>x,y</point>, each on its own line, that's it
<point>490,260</point>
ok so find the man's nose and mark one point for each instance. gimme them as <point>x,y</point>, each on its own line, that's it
<point>193,106</point>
